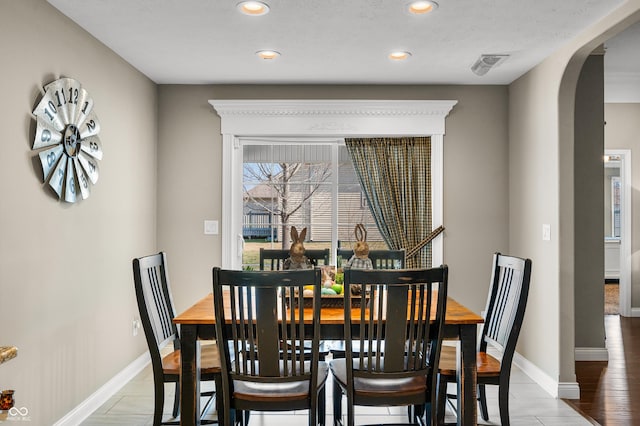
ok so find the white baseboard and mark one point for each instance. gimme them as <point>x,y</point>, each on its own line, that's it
<point>99,397</point>
<point>591,354</point>
<point>566,390</point>
<point>635,312</point>
<point>537,375</point>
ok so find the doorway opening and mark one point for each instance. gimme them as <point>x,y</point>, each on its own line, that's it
<point>617,181</point>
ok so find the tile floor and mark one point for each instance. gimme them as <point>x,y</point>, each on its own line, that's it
<point>530,405</point>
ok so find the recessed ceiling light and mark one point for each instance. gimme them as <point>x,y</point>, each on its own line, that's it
<point>422,7</point>
<point>399,56</point>
<point>267,54</point>
<point>253,8</point>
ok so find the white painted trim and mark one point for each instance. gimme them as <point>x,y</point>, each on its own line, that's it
<point>568,390</point>
<point>591,354</point>
<point>625,238</point>
<point>315,119</point>
<point>548,384</point>
<point>564,390</point>
<point>106,391</point>
<point>635,312</point>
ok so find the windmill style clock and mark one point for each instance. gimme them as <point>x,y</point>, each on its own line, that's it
<point>67,136</point>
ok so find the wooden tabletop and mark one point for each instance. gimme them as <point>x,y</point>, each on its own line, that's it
<point>202,313</point>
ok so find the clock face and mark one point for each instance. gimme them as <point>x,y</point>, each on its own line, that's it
<point>67,139</point>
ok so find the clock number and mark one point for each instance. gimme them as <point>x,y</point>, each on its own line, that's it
<point>84,108</point>
<point>62,100</point>
<point>60,176</point>
<point>58,98</point>
<point>72,185</point>
<point>45,136</point>
<point>93,146</point>
<point>91,125</point>
<point>51,158</point>
<point>83,180</point>
<point>52,111</point>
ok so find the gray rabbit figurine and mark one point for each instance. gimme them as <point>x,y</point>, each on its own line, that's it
<point>297,259</point>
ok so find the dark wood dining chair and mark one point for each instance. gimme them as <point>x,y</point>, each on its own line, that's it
<point>400,320</point>
<point>155,305</point>
<point>504,313</point>
<point>381,259</point>
<point>264,336</point>
<point>273,259</point>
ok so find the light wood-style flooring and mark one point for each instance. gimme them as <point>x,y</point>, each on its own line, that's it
<point>530,406</point>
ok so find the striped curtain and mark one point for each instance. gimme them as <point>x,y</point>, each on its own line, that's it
<point>395,175</point>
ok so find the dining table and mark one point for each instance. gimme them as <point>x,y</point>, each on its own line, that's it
<point>198,323</point>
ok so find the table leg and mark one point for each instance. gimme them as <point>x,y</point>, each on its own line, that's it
<point>467,369</point>
<point>190,376</point>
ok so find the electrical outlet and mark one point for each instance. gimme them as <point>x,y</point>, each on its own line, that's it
<point>135,327</point>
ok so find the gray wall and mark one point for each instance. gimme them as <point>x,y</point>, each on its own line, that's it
<point>475,180</point>
<point>541,158</point>
<point>623,132</point>
<point>589,193</point>
<point>66,292</point>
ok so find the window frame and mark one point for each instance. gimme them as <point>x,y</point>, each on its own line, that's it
<point>317,120</point>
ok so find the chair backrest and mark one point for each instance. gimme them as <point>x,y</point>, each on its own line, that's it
<point>273,259</point>
<point>506,304</point>
<point>381,259</point>
<point>412,311</point>
<point>264,334</point>
<point>155,305</point>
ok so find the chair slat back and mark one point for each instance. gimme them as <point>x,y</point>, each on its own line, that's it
<point>506,302</point>
<point>155,303</point>
<point>264,331</point>
<point>381,259</point>
<point>273,259</point>
<point>404,315</point>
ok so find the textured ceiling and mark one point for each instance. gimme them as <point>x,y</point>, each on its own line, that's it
<point>332,41</point>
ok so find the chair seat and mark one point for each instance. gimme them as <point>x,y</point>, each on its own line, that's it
<point>281,391</point>
<point>382,386</point>
<point>209,361</point>
<point>488,366</point>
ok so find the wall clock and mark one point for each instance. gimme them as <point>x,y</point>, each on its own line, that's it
<point>67,136</point>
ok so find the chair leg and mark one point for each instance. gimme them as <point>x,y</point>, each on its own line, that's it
<point>176,401</point>
<point>350,413</point>
<point>322,407</point>
<point>158,404</point>
<point>503,403</point>
<point>441,404</point>
<point>482,399</point>
<point>337,404</point>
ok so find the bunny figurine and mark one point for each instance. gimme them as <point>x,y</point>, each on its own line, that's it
<point>297,259</point>
<point>360,258</point>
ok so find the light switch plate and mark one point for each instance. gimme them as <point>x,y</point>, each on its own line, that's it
<point>546,232</point>
<point>210,227</point>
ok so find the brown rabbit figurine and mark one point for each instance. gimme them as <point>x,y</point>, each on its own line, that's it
<point>360,258</point>
<point>297,259</point>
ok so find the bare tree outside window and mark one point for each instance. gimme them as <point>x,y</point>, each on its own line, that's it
<point>284,191</point>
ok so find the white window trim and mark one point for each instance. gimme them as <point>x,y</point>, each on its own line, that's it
<point>312,119</point>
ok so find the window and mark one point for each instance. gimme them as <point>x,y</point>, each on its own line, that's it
<point>318,122</point>
<point>311,185</point>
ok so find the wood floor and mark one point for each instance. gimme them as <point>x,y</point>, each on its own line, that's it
<point>610,391</point>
